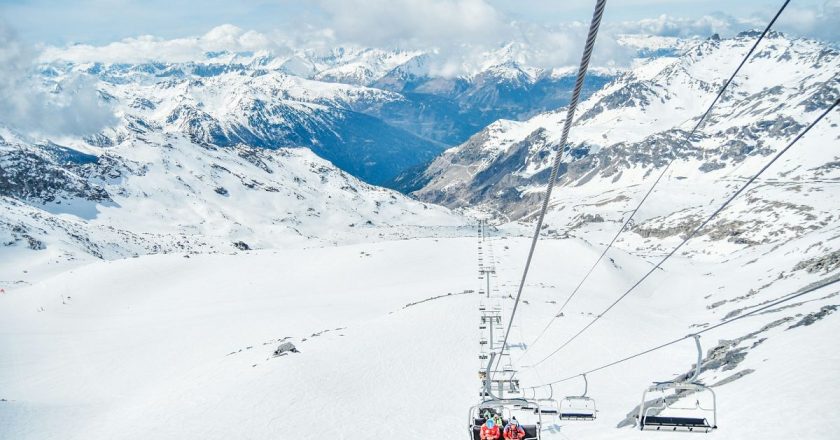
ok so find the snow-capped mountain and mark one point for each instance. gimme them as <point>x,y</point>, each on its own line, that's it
<point>229,104</point>
<point>132,308</point>
<point>635,125</point>
<point>156,192</point>
<point>373,112</point>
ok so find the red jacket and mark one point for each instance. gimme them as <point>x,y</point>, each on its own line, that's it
<point>490,433</point>
<point>514,433</point>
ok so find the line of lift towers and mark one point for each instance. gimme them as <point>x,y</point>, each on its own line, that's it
<point>501,395</point>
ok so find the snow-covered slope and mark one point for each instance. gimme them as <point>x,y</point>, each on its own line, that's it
<point>173,348</point>
<point>161,193</point>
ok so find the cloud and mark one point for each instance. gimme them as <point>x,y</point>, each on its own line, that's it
<point>462,35</point>
<point>815,23</point>
<point>67,107</point>
<point>148,48</point>
<point>668,26</point>
<point>819,23</point>
<point>428,22</point>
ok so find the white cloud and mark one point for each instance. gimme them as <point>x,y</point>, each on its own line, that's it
<point>426,22</point>
<point>71,107</point>
<point>463,34</point>
<point>149,48</point>
<point>668,26</point>
<point>823,23</point>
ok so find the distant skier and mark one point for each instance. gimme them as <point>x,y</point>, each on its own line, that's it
<point>490,431</point>
<point>513,431</point>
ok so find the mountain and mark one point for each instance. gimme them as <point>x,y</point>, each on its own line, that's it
<point>375,113</point>
<point>151,272</point>
<point>627,131</point>
<point>450,110</point>
<point>229,104</point>
<point>157,192</point>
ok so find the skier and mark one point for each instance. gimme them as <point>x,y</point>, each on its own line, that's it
<point>513,431</point>
<point>490,431</point>
<point>497,419</point>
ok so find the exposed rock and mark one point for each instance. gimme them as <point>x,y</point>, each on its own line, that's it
<point>826,263</point>
<point>285,348</point>
<point>815,316</point>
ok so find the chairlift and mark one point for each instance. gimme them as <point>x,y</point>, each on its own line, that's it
<point>663,414</point>
<point>507,409</point>
<point>491,405</point>
<point>578,407</point>
<point>530,403</point>
<point>547,405</point>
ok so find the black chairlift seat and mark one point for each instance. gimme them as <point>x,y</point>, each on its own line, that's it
<point>576,416</point>
<point>530,431</point>
<point>676,423</point>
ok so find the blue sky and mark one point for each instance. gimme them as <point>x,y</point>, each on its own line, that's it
<point>98,22</point>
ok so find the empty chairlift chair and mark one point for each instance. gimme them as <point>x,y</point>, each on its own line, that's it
<point>546,406</point>
<point>578,407</point>
<point>663,413</point>
<point>530,403</point>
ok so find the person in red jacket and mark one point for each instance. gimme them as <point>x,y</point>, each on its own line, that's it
<point>513,431</point>
<point>490,431</point>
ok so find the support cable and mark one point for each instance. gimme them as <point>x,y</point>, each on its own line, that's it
<point>658,178</point>
<point>696,230</point>
<point>804,291</point>
<point>570,113</point>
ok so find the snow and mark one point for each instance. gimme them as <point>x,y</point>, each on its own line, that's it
<point>141,320</point>
<point>149,341</point>
<point>170,347</point>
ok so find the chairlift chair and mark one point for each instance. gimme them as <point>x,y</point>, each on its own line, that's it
<point>530,403</point>
<point>546,405</point>
<point>503,407</point>
<point>578,407</point>
<point>662,414</point>
<point>506,408</point>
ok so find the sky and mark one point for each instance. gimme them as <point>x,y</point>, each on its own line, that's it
<point>462,34</point>
<point>97,22</point>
